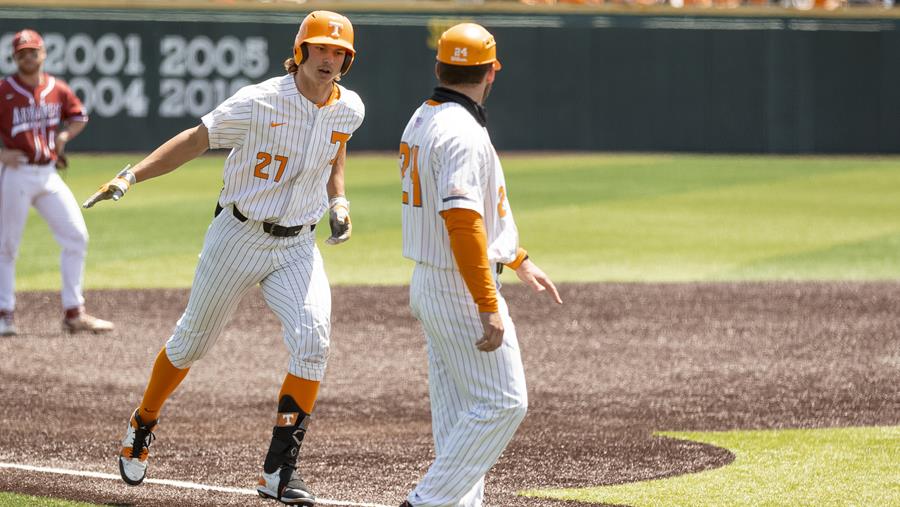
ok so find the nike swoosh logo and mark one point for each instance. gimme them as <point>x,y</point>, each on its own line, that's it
<point>273,124</point>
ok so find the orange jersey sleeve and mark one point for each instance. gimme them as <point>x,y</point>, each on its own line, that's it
<point>468,241</point>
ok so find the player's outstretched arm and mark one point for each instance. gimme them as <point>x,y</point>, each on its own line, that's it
<point>113,189</point>
<point>175,152</point>
<point>533,276</point>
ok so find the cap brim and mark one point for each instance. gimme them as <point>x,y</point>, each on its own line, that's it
<point>330,41</point>
<point>497,65</point>
<point>27,45</point>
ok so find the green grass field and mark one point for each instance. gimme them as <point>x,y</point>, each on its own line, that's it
<point>582,217</point>
<point>16,500</point>
<point>822,467</point>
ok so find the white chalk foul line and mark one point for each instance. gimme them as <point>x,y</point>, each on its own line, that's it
<point>168,482</point>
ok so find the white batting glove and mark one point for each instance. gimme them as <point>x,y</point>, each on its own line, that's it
<point>339,220</point>
<point>113,189</point>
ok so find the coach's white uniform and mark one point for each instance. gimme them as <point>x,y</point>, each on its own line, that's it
<point>282,149</point>
<point>478,399</point>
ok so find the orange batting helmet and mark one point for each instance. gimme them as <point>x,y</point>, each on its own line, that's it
<point>467,44</point>
<point>325,27</point>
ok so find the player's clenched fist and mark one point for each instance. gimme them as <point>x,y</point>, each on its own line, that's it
<point>113,189</point>
<point>339,220</point>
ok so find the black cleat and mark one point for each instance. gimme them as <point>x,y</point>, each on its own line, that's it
<point>294,492</point>
<point>280,480</point>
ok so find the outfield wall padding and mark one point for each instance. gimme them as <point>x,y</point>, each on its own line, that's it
<point>569,82</point>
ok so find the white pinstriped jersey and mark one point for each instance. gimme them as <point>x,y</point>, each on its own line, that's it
<point>282,147</point>
<point>447,161</point>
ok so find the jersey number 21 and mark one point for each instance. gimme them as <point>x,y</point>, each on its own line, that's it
<point>411,154</point>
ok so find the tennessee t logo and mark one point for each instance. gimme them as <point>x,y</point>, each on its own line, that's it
<point>286,418</point>
<point>335,28</point>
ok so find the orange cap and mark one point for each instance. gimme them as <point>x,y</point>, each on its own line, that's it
<point>324,27</point>
<point>468,44</point>
<point>27,39</point>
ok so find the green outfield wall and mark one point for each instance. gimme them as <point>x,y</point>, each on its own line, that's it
<point>598,81</point>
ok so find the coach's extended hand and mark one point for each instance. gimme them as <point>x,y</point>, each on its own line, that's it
<point>113,189</point>
<point>534,277</point>
<point>339,220</point>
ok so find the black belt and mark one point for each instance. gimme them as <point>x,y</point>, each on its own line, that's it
<point>268,227</point>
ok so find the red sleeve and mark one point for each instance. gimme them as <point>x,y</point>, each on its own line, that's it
<point>72,109</point>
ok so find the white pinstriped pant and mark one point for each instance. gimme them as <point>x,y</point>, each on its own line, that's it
<point>478,399</point>
<point>238,255</point>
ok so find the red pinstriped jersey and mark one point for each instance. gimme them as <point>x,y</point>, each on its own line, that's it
<point>30,117</point>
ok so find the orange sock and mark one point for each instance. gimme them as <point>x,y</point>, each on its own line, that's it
<point>163,381</point>
<point>303,391</point>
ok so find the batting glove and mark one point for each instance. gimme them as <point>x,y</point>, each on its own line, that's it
<point>339,220</point>
<point>114,189</point>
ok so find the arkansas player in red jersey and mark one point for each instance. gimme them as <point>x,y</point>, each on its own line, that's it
<point>39,114</point>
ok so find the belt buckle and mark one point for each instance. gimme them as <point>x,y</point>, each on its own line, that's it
<point>280,231</point>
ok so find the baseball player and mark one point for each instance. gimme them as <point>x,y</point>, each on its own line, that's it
<point>458,227</point>
<point>288,140</point>
<point>39,114</point>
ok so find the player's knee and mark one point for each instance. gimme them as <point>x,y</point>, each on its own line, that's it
<point>308,339</point>
<point>185,359</point>
<point>510,408</point>
<point>182,361</point>
<point>310,348</point>
<point>8,254</point>
<point>185,347</point>
<point>75,241</point>
<point>81,237</point>
<point>518,410</point>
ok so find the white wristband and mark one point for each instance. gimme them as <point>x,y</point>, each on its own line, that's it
<point>339,201</point>
<point>127,175</point>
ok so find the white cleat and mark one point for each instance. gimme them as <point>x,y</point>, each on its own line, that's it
<point>89,323</point>
<point>134,453</point>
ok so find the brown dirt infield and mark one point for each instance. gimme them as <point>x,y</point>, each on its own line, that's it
<point>614,364</point>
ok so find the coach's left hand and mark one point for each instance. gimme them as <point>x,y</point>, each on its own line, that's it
<point>533,276</point>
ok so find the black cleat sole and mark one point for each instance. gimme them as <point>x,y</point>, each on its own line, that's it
<point>305,502</point>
